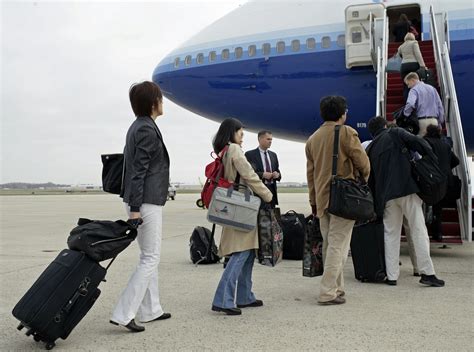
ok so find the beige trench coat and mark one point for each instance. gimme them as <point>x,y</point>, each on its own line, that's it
<point>235,161</point>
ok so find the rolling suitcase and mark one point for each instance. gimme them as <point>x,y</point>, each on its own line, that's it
<point>294,229</point>
<point>367,251</point>
<point>60,297</point>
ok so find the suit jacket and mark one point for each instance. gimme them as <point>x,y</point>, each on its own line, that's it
<point>255,159</point>
<point>147,165</point>
<point>352,162</point>
<point>235,163</point>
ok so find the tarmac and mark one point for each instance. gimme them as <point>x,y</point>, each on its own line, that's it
<point>376,317</point>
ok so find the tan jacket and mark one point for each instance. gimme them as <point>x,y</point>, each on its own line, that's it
<point>410,52</point>
<point>235,161</point>
<point>352,161</point>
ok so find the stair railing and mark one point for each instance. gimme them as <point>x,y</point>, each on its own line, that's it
<point>381,43</point>
<point>455,131</point>
<point>453,125</point>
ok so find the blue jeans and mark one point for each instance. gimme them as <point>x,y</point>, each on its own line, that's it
<point>237,276</point>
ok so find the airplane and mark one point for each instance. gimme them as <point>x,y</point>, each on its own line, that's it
<point>269,64</point>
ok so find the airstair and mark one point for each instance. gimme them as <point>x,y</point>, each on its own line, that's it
<point>457,219</point>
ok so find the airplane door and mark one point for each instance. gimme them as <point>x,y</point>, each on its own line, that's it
<point>358,33</point>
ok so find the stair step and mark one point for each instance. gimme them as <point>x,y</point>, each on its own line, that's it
<point>450,215</point>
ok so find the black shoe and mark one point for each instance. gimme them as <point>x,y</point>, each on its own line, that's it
<point>257,303</point>
<point>391,282</point>
<point>161,317</point>
<point>431,280</point>
<point>416,273</point>
<point>132,326</point>
<point>228,311</point>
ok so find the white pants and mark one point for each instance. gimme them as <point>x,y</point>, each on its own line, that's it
<point>409,207</point>
<point>140,300</point>
<point>424,123</point>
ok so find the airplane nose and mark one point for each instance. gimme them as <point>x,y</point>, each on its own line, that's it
<point>162,77</point>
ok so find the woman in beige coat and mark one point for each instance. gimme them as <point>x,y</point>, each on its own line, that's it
<point>412,60</point>
<point>235,287</point>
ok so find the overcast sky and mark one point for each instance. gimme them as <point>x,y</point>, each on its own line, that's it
<point>66,70</point>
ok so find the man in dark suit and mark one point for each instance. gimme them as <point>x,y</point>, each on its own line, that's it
<point>265,163</point>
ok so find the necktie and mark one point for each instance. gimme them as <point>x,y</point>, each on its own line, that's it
<point>267,163</point>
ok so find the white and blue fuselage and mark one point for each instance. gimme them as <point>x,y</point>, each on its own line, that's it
<point>269,63</point>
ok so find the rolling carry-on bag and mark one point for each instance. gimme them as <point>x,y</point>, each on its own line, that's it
<point>367,251</point>
<point>60,297</point>
<point>294,229</point>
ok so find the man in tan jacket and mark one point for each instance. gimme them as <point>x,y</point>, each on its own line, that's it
<point>352,162</point>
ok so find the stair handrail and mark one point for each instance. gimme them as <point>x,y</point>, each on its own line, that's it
<point>437,52</point>
<point>446,31</point>
<point>455,131</point>
<point>380,92</point>
<point>382,57</point>
<point>453,125</point>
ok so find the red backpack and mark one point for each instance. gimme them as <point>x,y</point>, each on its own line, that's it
<point>215,177</point>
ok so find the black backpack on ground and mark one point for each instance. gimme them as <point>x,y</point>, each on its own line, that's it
<point>101,239</point>
<point>202,248</point>
<point>294,230</point>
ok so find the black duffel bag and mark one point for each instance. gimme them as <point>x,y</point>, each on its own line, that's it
<point>349,199</point>
<point>294,229</point>
<point>101,239</point>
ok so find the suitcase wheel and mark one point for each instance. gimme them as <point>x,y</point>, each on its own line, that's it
<point>50,345</point>
<point>20,326</point>
<point>36,337</point>
<point>29,332</point>
<point>380,277</point>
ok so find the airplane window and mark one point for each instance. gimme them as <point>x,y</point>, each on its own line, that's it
<point>238,52</point>
<point>326,42</point>
<point>200,58</point>
<point>187,60</point>
<point>295,45</point>
<point>212,56</point>
<point>311,43</point>
<point>341,40</point>
<point>176,62</point>
<point>252,50</point>
<point>225,54</point>
<point>266,49</point>
<point>280,47</point>
<point>356,35</point>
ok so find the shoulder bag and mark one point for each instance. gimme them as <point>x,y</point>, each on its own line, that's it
<point>349,199</point>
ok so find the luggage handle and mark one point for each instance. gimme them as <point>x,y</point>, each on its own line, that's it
<point>230,190</point>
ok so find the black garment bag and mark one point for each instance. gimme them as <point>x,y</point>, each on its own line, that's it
<point>101,239</point>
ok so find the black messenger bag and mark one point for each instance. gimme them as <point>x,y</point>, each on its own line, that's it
<point>101,239</point>
<point>112,172</point>
<point>349,199</point>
